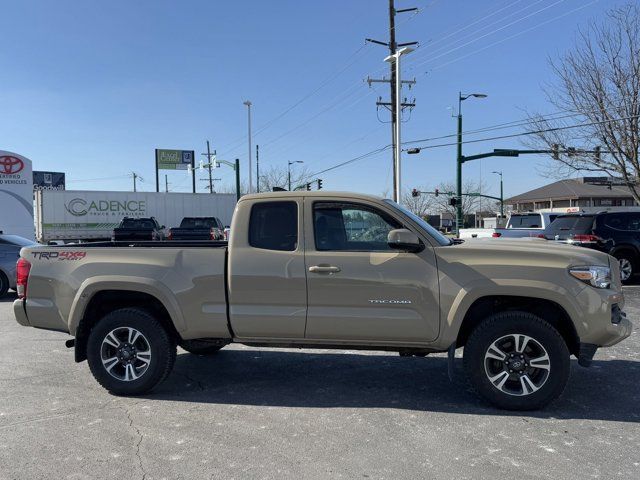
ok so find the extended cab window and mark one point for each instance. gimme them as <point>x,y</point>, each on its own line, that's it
<point>274,226</point>
<point>350,227</point>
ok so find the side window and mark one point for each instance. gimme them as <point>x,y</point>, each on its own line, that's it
<point>634,222</point>
<point>274,226</point>
<point>350,227</point>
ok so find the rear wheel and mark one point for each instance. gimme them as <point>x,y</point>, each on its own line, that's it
<point>200,347</point>
<point>4,284</point>
<point>129,352</point>
<point>517,361</point>
<point>627,266</point>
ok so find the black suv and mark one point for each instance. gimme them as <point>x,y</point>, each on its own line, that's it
<point>615,233</point>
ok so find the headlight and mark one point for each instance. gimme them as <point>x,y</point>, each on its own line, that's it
<point>596,276</point>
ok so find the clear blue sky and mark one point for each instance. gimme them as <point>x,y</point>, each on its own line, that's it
<point>91,88</point>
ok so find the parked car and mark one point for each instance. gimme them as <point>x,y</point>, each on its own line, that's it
<point>519,225</point>
<point>10,246</point>
<point>615,233</point>
<point>198,228</point>
<point>330,270</point>
<point>138,229</point>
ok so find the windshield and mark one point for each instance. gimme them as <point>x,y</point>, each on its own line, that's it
<point>16,240</point>
<point>438,237</point>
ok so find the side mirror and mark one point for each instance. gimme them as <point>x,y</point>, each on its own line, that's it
<point>403,239</point>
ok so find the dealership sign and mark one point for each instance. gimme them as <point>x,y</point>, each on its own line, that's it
<point>81,207</point>
<point>48,180</point>
<point>174,159</point>
<point>16,195</point>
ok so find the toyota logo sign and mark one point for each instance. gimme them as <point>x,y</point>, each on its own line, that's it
<point>10,165</point>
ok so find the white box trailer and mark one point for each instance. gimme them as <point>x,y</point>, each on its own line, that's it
<point>92,215</point>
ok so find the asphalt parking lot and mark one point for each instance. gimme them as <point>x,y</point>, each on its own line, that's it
<point>273,414</point>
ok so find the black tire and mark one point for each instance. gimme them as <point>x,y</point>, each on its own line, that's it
<point>200,347</point>
<point>517,393</point>
<point>628,260</point>
<point>160,345</point>
<point>4,284</point>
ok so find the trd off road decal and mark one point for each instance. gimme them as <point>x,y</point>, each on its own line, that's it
<point>68,255</point>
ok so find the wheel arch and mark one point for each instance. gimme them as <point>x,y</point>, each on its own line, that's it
<point>102,302</point>
<point>548,310</point>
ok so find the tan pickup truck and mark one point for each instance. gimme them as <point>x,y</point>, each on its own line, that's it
<point>330,270</point>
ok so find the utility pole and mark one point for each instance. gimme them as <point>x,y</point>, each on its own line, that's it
<point>257,169</point>
<point>166,184</point>
<point>135,177</point>
<point>392,105</point>
<point>248,104</point>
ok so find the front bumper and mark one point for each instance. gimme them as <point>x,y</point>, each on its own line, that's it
<point>20,313</point>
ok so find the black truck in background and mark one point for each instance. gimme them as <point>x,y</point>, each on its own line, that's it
<point>198,228</point>
<point>135,229</point>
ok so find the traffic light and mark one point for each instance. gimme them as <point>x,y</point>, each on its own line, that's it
<point>308,186</point>
<point>319,184</point>
<point>415,192</point>
<point>453,201</point>
<point>555,148</point>
<point>436,192</point>
<point>597,151</point>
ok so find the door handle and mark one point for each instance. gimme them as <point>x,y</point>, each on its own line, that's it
<point>324,269</point>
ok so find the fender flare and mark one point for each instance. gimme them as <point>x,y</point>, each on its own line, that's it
<point>150,286</point>
<point>536,289</point>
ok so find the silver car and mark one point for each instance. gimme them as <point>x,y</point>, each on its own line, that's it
<point>10,246</point>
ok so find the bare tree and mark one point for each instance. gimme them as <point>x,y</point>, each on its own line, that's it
<point>426,204</point>
<point>421,205</point>
<point>599,81</point>
<point>278,177</point>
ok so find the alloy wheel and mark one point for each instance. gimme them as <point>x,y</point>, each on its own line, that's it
<point>517,364</point>
<point>626,268</point>
<point>125,353</point>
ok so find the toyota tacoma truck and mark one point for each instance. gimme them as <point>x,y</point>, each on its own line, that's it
<point>330,270</point>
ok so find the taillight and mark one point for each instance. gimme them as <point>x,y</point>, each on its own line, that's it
<point>496,234</point>
<point>212,234</point>
<point>170,236</point>
<point>586,238</point>
<point>541,235</point>
<point>22,277</point>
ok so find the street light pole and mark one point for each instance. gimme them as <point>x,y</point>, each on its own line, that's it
<point>248,104</point>
<point>459,160</point>
<point>289,163</point>
<point>501,194</point>
<point>397,167</point>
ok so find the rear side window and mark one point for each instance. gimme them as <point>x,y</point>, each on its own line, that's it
<point>274,226</point>
<point>574,223</point>
<point>623,221</point>
<point>525,221</point>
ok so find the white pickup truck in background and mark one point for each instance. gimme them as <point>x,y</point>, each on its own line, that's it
<point>519,225</point>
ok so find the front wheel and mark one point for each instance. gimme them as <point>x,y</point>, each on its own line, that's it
<point>517,361</point>
<point>4,284</point>
<point>627,267</point>
<point>129,352</point>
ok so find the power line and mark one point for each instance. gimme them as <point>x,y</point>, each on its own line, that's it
<point>534,132</point>
<point>522,32</point>
<point>489,33</point>
<point>350,61</point>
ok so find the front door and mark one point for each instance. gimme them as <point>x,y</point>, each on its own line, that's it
<point>360,290</point>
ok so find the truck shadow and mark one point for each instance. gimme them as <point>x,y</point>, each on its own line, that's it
<point>609,390</point>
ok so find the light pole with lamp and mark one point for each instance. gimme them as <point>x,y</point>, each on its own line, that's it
<point>461,98</point>
<point>289,170</point>
<point>248,104</point>
<point>395,58</point>
<point>501,194</point>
